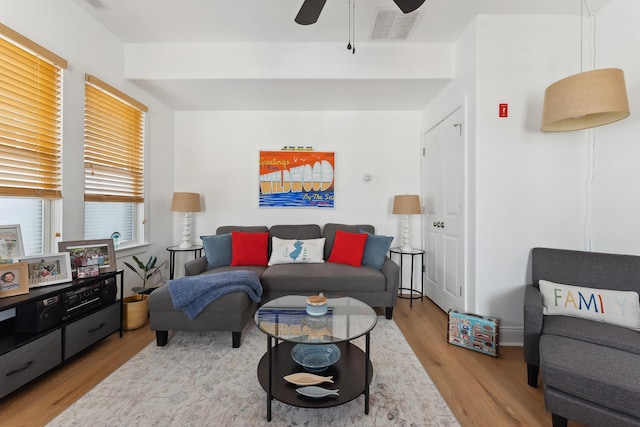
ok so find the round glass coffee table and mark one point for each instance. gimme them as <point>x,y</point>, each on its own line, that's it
<point>285,320</point>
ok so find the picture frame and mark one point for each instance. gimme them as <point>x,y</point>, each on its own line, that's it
<point>88,271</point>
<point>83,253</point>
<point>19,284</point>
<point>11,245</point>
<point>296,179</point>
<point>45,270</point>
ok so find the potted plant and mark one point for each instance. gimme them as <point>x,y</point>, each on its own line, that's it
<point>136,307</point>
<point>145,272</point>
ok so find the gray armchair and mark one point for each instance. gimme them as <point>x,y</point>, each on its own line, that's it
<point>590,370</point>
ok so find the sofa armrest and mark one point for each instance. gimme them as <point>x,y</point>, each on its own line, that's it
<point>195,266</point>
<point>533,319</point>
<point>391,272</point>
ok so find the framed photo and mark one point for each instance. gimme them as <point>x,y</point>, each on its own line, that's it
<point>84,253</point>
<point>14,279</point>
<point>10,243</point>
<point>88,271</point>
<point>46,270</point>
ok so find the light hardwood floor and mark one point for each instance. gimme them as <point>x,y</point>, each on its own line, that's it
<point>481,390</point>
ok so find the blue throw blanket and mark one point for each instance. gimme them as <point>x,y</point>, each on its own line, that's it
<point>193,294</point>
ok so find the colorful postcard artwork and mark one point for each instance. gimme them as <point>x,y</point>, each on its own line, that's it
<point>302,179</point>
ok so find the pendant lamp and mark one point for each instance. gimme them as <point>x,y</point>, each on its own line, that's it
<point>585,100</point>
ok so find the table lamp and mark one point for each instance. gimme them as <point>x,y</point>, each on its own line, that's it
<point>405,205</point>
<point>187,203</point>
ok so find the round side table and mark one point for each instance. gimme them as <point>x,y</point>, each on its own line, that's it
<point>413,253</point>
<point>196,249</point>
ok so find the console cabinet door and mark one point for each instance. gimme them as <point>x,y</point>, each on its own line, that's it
<point>88,330</point>
<point>30,361</point>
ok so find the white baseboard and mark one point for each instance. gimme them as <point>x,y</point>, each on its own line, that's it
<point>511,336</point>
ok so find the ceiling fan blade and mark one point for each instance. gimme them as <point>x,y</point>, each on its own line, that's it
<point>408,6</point>
<point>310,11</point>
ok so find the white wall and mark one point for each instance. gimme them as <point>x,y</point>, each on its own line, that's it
<point>65,29</point>
<point>616,177</point>
<point>531,188</point>
<point>217,156</point>
<point>530,185</point>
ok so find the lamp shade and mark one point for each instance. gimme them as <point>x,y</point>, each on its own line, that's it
<point>185,202</point>
<point>407,204</point>
<point>585,100</point>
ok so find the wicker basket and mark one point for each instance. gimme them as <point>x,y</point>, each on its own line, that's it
<point>136,311</point>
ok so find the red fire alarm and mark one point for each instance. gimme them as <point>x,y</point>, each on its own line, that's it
<point>503,110</point>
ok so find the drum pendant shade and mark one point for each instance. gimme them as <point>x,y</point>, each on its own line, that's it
<point>585,100</point>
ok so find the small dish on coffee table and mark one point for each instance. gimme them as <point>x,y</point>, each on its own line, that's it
<point>304,378</point>
<point>316,392</point>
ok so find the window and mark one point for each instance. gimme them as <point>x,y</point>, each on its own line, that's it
<point>113,163</point>
<point>30,138</point>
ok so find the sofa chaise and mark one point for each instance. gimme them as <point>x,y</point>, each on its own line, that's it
<point>375,282</point>
<point>581,330</point>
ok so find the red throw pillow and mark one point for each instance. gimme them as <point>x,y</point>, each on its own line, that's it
<point>348,248</point>
<point>249,248</point>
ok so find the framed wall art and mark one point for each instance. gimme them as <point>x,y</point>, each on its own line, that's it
<point>85,253</point>
<point>296,179</point>
<point>10,243</point>
<point>44,270</point>
<point>13,279</point>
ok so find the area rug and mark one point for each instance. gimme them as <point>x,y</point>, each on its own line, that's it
<point>197,379</point>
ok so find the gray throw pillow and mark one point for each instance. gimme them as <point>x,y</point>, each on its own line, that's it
<point>217,248</point>
<point>375,250</point>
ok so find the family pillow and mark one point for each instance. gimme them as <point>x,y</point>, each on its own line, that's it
<point>620,308</point>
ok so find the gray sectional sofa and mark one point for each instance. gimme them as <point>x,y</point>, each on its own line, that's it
<point>590,370</point>
<point>377,288</point>
<point>373,286</point>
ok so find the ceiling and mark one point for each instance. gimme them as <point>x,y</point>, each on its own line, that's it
<point>272,21</point>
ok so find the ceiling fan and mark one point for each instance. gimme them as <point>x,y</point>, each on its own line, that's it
<point>310,10</point>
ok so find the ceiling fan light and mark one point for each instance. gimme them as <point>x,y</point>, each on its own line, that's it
<point>585,100</point>
<point>408,6</point>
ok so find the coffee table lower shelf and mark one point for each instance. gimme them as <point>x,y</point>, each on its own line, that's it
<point>348,376</point>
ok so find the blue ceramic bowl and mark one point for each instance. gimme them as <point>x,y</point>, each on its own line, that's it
<point>315,358</point>
<point>317,310</point>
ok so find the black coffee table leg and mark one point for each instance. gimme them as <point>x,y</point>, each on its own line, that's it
<point>269,396</point>
<point>366,375</point>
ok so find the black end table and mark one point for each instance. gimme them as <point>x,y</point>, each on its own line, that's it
<point>196,249</point>
<point>413,253</point>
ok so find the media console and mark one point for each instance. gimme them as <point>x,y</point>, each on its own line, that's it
<point>50,324</point>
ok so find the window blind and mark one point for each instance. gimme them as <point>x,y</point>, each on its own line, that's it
<point>30,118</point>
<point>114,145</point>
